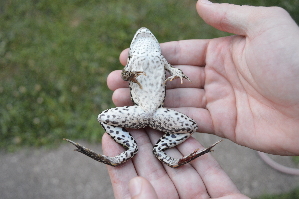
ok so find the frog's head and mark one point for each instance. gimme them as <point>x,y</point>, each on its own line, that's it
<point>144,43</point>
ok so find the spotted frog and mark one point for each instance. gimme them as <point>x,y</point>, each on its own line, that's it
<point>145,71</point>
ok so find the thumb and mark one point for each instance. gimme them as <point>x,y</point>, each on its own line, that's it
<point>241,20</point>
<point>140,188</point>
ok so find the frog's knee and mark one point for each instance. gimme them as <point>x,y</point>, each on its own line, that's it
<point>112,117</point>
<point>104,116</point>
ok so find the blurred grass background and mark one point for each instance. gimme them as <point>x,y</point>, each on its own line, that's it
<point>55,57</point>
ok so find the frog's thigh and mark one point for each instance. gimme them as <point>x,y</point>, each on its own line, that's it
<point>115,120</point>
<point>127,117</point>
<point>177,126</point>
<point>171,121</point>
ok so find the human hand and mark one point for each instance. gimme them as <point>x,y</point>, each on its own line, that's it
<point>244,87</point>
<point>202,178</point>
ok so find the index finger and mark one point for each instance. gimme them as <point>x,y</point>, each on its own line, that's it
<point>183,52</point>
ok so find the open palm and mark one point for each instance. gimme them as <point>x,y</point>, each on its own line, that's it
<point>251,83</point>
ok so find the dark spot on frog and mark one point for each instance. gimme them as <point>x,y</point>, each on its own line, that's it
<point>164,144</point>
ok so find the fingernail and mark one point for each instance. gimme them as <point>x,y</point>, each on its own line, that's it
<point>135,187</point>
<point>206,2</point>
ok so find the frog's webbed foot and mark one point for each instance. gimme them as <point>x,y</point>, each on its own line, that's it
<point>196,154</point>
<point>92,154</point>
<point>122,137</point>
<point>131,76</point>
<point>176,73</point>
<point>164,144</point>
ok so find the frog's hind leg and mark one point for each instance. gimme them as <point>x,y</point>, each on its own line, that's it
<point>180,128</point>
<point>114,121</point>
<point>124,138</point>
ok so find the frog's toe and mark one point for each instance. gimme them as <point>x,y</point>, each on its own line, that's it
<point>186,77</point>
<point>170,78</point>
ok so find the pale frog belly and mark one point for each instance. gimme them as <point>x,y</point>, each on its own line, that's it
<point>152,93</point>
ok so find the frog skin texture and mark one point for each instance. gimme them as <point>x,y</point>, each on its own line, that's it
<point>146,72</point>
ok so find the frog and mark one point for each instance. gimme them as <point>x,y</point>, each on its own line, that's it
<point>146,73</point>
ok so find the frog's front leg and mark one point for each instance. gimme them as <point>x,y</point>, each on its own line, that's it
<point>174,72</point>
<point>132,76</point>
<point>178,128</point>
<point>133,69</point>
<point>114,121</point>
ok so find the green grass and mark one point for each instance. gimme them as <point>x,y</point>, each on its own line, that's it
<point>294,194</point>
<point>56,55</point>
